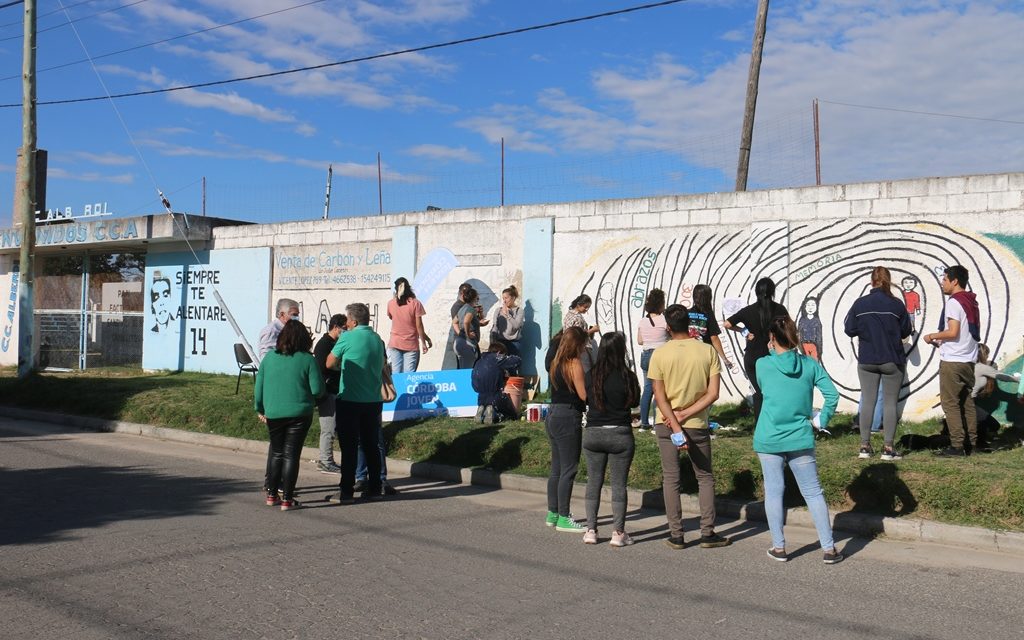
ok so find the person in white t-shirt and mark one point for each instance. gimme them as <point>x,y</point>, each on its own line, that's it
<point>957,340</point>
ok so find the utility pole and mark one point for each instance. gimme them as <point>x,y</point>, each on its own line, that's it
<point>327,197</point>
<point>747,136</point>
<point>380,187</point>
<point>26,194</point>
<point>817,146</point>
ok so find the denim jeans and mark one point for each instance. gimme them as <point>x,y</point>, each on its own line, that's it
<point>359,427</point>
<point>805,470</point>
<point>565,435</point>
<point>361,470</point>
<point>327,427</point>
<point>403,361</point>
<point>286,438</point>
<point>648,394</point>
<point>602,445</point>
<point>466,351</point>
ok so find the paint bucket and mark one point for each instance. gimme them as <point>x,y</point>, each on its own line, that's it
<point>536,412</point>
<point>514,389</point>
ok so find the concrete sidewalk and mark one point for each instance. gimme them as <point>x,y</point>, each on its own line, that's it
<point>859,524</point>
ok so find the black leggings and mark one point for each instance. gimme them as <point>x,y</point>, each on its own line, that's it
<point>750,365</point>
<point>286,438</point>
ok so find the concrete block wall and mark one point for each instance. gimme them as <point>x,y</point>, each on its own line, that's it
<point>817,242</point>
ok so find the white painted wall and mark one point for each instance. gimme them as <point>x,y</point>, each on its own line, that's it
<point>814,241</point>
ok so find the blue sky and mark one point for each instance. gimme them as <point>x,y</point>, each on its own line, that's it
<point>643,104</point>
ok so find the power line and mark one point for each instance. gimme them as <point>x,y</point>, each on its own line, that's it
<point>922,113</point>
<point>69,21</point>
<point>11,4</point>
<point>42,15</point>
<point>389,54</point>
<point>172,38</point>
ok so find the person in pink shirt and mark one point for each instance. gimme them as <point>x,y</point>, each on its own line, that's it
<point>651,333</point>
<point>407,331</point>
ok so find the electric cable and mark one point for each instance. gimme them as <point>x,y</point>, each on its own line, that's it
<point>70,21</point>
<point>378,56</point>
<point>40,15</point>
<point>922,113</point>
<point>170,39</point>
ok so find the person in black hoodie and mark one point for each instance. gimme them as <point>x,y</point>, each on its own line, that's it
<point>880,322</point>
<point>753,320</point>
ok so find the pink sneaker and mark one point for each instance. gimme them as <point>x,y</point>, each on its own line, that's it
<point>273,500</point>
<point>590,537</point>
<point>621,539</point>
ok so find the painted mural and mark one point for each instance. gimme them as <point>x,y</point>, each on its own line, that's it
<point>185,327</point>
<point>819,271</point>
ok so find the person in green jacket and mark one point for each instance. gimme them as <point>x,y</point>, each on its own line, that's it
<point>785,432</point>
<point>287,385</point>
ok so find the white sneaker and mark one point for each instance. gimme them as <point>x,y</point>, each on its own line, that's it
<point>620,539</point>
<point>590,537</point>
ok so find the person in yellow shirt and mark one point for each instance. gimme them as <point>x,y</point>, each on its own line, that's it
<point>686,375</point>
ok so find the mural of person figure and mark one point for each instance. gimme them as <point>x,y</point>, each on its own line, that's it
<point>809,326</point>
<point>912,299</point>
<point>160,303</point>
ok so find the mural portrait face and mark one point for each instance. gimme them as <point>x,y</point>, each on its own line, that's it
<point>810,306</point>
<point>908,284</point>
<point>160,301</point>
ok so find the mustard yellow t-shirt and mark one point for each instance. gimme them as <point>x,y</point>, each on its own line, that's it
<point>685,367</point>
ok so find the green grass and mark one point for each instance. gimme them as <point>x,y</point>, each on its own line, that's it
<point>985,490</point>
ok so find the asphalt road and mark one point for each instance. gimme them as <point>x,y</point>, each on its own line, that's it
<point>117,536</point>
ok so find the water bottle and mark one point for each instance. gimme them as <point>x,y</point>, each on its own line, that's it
<point>713,425</point>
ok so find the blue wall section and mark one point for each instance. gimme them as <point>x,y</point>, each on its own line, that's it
<point>403,253</point>
<point>185,328</point>
<point>538,250</point>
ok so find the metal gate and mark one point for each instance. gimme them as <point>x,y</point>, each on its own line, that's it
<point>88,310</point>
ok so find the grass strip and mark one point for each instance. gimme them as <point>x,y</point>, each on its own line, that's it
<point>983,490</point>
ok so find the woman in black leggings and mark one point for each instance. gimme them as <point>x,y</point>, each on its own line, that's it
<point>287,385</point>
<point>753,321</point>
<point>612,391</point>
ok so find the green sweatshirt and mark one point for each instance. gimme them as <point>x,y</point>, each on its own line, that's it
<point>787,381</point>
<point>287,386</point>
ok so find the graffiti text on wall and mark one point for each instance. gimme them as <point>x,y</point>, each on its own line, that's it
<point>360,266</point>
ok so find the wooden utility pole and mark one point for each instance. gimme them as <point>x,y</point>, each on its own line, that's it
<point>760,26</point>
<point>25,191</point>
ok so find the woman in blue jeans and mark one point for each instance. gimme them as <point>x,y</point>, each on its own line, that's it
<point>564,425</point>
<point>651,333</point>
<point>785,432</point>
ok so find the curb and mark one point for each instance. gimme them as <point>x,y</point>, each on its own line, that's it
<point>860,524</point>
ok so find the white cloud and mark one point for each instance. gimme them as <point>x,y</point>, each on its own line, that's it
<point>227,149</point>
<point>231,103</point>
<point>441,152</point>
<point>306,130</point>
<point>107,158</point>
<point>511,123</point>
<point>89,176</point>
<point>930,55</point>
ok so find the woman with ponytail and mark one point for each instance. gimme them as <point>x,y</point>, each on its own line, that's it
<point>880,323</point>
<point>651,333</point>
<point>407,332</point>
<point>753,321</point>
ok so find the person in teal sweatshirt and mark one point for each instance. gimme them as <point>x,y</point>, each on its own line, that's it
<point>785,433</point>
<point>287,385</point>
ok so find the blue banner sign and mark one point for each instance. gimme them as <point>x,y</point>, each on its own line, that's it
<point>432,393</point>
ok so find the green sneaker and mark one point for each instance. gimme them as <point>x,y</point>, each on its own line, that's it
<point>552,519</point>
<point>570,525</point>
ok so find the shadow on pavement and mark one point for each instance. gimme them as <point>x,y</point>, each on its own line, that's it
<point>44,505</point>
